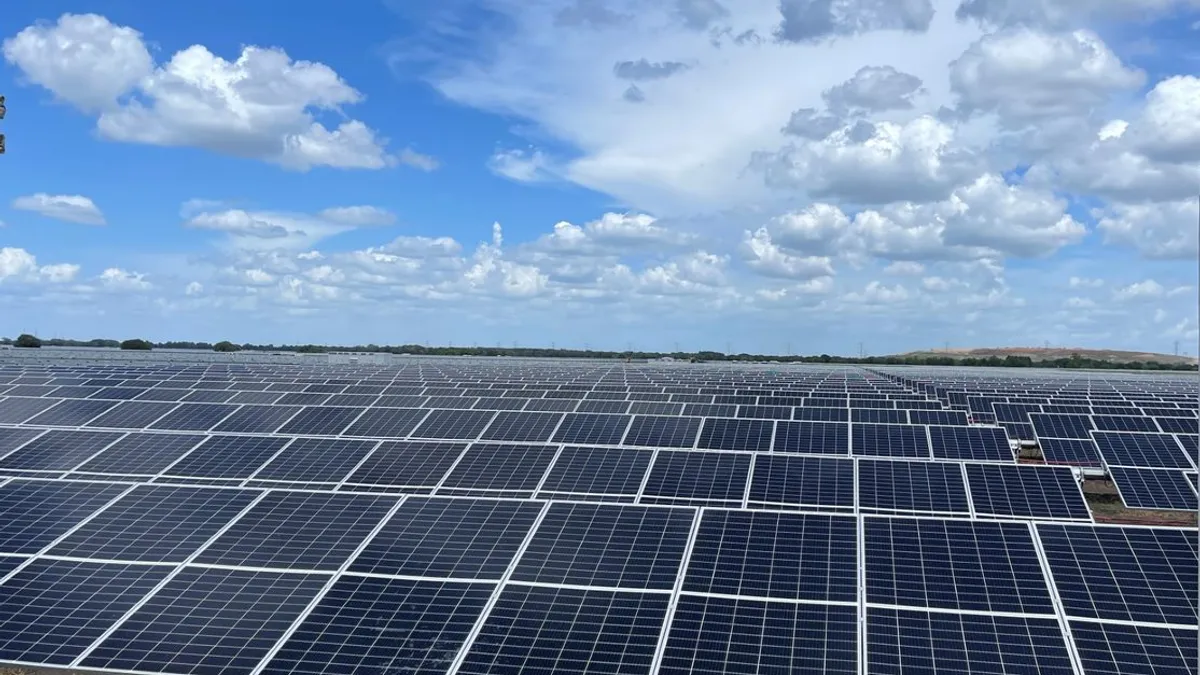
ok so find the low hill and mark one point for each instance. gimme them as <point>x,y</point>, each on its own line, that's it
<point>1053,353</point>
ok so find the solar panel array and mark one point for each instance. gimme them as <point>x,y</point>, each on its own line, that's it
<point>463,516</point>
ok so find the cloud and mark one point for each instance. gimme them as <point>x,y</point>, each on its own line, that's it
<point>117,279</point>
<point>905,268</point>
<point>700,14</point>
<point>768,259</point>
<point>358,215</point>
<point>1168,230</point>
<point>813,20</point>
<point>1148,288</point>
<point>644,71</point>
<point>522,166</point>
<point>70,208</point>
<point>416,160</point>
<point>1084,282</point>
<point>259,106</point>
<point>873,89</point>
<point>1052,13</point>
<point>19,265</point>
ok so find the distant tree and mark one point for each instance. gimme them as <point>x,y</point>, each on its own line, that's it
<point>27,340</point>
<point>226,346</point>
<point>138,345</point>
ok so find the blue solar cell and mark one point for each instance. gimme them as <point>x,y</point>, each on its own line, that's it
<point>607,545</point>
<point>662,432</point>
<point>155,523</point>
<point>454,424</point>
<point>737,635</point>
<point>383,626</point>
<point>807,437</point>
<point>946,417</point>
<point>456,538</point>
<point>1124,423</point>
<point>775,555</point>
<point>58,450</point>
<point>1178,425</point>
<point>559,630</point>
<point>821,414</point>
<point>132,415</point>
<point>299,530</point>
<point>802,482</point>
<point>1061,426</point>
<point>407,464</point>
<point>1026,491</point>
<point>532,427</point>
<point>736,434</point>
<point>889,440</point>
<point>72,413</point>
<point>983,444</point>
<point>194,417</point>
<point>907,641</point>
<point>320,460</point>
<point>1070,451</point>
<point>326,421</point>
<point>680,476</point>
<point>11,439</point>
<point>1152,451</point>
<point>1117,649</point>
<point>954,564</point>
<point>911,487</point>
<point>602,471</point>
<point>35,513</point>
<point>592,429</point>
<point>1123,573</point>
<point>227,457</point>
<point>1164,489</point>
<point>257,419</point>
<point>53,609</point>
<point>208,620</point>
<point>878,416</point>
<point>502,468</point>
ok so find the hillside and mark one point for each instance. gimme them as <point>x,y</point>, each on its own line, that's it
<point>1052,353</point>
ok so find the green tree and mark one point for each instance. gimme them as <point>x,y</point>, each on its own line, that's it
<point>136,344</point>
<point>27,340</point>
<point>226,346</point>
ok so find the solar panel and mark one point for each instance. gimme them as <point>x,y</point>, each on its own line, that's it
<point>454,424</point>
<point>1157,451</point>
<point>51,610</point>
<point>736,434</point>
<point>765,412</point>
<point>155,523</point>
<point>194,417</point>
<point>954,564</point>
<point>384,626</point>
<point>899,640</point>
<point>802,482</point>
<point>501,468</point>
<point>14,410</point>
<point>450,538</point>
<point>1124,423</point>
<point>11,439</point>
<point>314,460</point>
<point>597,471</point>
<point>257,419</point>
<point>207,620</point>
<point>565,630</point>
<point>947,417</point>
<point>878,416</point>
<point>1123,573</point>
<point>1070,451</point>
<point>1061,426</point>
<point>1122,648</point>
<point>299,530</point>
<point>616,546</point>
<point>889,440</point>
<point>1163,489</point>
<point>140,454</point>
<point>35,513</point>
<point>592,429</point>
<point>911,487</point>
<point>1178,425</point>
<point>738,635</point>
<point>817,414</point>
<point>407,464</point>
<point>697,477</point>
<point>323,421</point>
<point>533,427</point>
<point>662,432</point>
<point>1026,491</point>
<point>226,457</point>
<point>132,415</point>
<point>58,450</point>
<point>764,554</point>
<point>982,444</point>
<point>208,396</point>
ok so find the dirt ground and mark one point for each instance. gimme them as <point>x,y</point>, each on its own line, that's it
<point>1107,507</point>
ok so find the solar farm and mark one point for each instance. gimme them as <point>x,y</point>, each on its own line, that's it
<point>469,516</point>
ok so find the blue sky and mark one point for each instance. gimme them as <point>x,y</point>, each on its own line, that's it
<point>763,174</point>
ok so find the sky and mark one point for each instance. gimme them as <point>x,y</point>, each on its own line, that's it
<point>765,176</point>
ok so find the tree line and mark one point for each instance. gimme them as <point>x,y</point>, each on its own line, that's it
<point>1074,361</point>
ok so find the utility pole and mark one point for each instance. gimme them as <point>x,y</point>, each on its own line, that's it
<point>1177,348</point>
<point>3,111</point>
<point>861,351</point>
<point>728,348</point>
